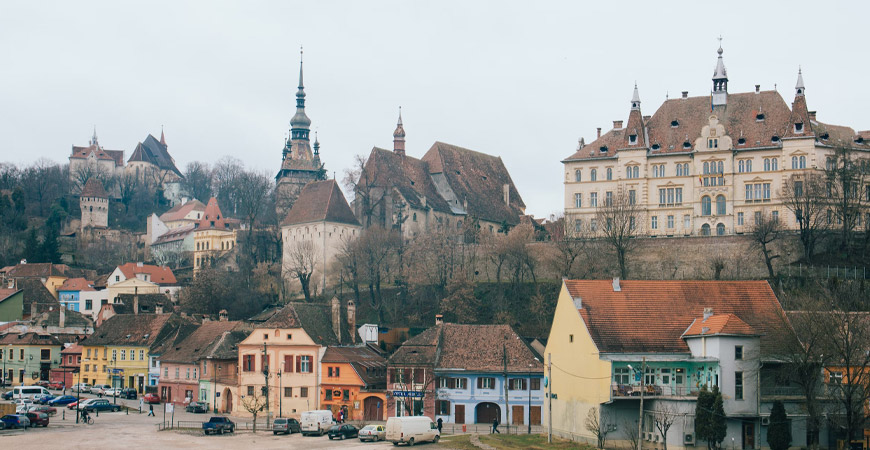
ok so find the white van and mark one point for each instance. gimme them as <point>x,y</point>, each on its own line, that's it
<point>28,391</point>
<point>316,422</point>
<point>411,430</point>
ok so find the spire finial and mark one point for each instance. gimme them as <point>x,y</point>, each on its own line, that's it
<point>635,98</point>
<point>301,86</point>
<point>94,141</point>
<point>400,115</point>
<point>720,45</point>
<point>799,87</point>
<point>162,137</point>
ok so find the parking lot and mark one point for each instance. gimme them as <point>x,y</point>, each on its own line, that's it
<point>130,428</point>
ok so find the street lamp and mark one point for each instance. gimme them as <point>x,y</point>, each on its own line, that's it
<point>114,387</point>
<point>5,357</point>
<point>530,395</point>
<point>280,394</point>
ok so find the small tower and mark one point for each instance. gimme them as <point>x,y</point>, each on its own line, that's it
<point>720,80</point>
<point>799,87</point>
<point>399,136</point>
<point>162,137</point>
<point>635,99</point>
<point>94,142</point>
<point>635,135</point>
<point>94,202</point>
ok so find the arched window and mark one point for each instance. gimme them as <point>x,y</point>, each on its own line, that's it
<point>578,175</point>
<point>679,170</point>
<point>593,175</point>
<point>720,229</point>
<point>749,165</point>
<point>766,165</point>
<point>706,168</point>
<point>609,173</point>
<point>705,230</point>
<point>740,166</point>
<point>655,171</point>
<point>794,162</point>
<point>721,167</point>
<point>720,205</point>
<point>773,164</point>
<point>803,162</point>
<point>705,206</point>
<point>686,169</point>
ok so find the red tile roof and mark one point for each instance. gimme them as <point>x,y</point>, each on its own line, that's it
<point>159,274</point>
<point>6,293</point>
<point>74,349</point>
<point>93,188</point>
<point>651,316</point>
<point>196,345</point>
<point>179,212</point>
<point>719,324</point>
<point>320,201</point>
<point>213,219</point>
<point>114,155</point>
<point>76,284</point>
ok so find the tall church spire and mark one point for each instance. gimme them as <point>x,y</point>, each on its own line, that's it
<point>799,88</point>
<point>399,136</point>
<point>94,142</point>
<point>635,99</point>
<point>162,136</point>
<point>300,123</point>
<point>720,80</point>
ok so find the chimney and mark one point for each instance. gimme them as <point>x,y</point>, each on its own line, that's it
<point>616,286</point>
<point>506,193</point>
<point>223,316</point>
<point>757,88</point>
<point>646,118</point>
<point>685,94</point>
<point>707,313</point>
<point>139,264</point>
<point>351,320</point>
<point>62,321</point>
<point>439,319</point>
<point>598,131</point>
<point>158,308</point>
<point>617,124</point>
<point>812,115</point>
<point>135,303</point>
<point>336,318</point>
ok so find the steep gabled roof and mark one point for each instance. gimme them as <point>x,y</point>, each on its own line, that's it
<point>147,303</point>
<point>149,330</point>
<point>7,293</point>
<point>420,350</point>
<point>727,324</point>
<point>42,270</point>
<point>36,292</point>
<point>72,319</point>
<point>482,348</point>
<point>161,275</point>
<point>651,316</point>
<point>320,201</point>
<point>179,212</point>
<point>477,182</point>
<point>93,188</point>
<point>314,318</point>
<point>29,338</point>
<point>368,364</point>
<point>76,284</point>
<point>408,175</point>
<point>227,345</point>
<point>153,152</point>
<point>212,218</point>
<point>196,345</point>
<point>117,156</point>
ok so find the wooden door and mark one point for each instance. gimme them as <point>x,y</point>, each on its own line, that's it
<point>459,414</point>
<point>486,412</point>
<point>748,435</point>
<point>535,415</point>
<point>517,415</point>
<point>372,407</point>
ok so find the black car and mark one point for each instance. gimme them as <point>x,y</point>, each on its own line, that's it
<point>128,393</point>
<point>196,407</point>
<point>285,425</point>
<point>343,431</point>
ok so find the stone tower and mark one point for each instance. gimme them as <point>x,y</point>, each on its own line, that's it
<point>95,205</point>
<point>299,165</point>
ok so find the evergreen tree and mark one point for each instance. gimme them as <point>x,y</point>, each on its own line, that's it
<point>50,248</point>
<point>718,425</point>
<point>32,249</point>
<point>779,431</point>
<point>703,413</point>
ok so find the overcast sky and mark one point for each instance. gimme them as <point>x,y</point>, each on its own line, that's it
<point>522,80</point>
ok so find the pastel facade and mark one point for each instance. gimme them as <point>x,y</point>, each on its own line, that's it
<point>353,381</point>
<point>29,356</point>
<point>214,236</point>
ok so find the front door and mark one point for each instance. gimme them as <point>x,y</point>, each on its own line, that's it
<point>748,435</point>
<point>459,414</point>
<point>486,412</point>
<point>535,415</point>
<point>517,415</point>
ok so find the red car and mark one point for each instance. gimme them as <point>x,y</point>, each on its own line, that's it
<point>38,419</point>
<point>151,398</point>
<point>57,385</point>
<point>44,409</point>
<point>42,383</point>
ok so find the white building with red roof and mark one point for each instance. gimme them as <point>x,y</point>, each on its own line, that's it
<point>94,160</point>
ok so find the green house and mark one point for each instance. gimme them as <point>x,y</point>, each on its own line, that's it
<point>11,304</point>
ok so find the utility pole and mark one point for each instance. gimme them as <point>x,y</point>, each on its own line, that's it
<point>550,398</point>
<point>640,413</point>
<point>266,377</point>
<point>507,416</point>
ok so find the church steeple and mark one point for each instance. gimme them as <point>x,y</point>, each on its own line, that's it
<point>94,142</point>
<point>635,99</point>
<point>399,136</point>
<point>799,88</point>
<point>300,123</point>
<point>720,80</point>
<point>162,137</point>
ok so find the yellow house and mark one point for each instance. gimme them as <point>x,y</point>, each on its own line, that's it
<point>132,286</point>
<point>213,237</point>
<point>119,350</point>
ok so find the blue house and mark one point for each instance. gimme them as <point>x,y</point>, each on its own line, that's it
<point>69,293</point>
<point>469,366</point>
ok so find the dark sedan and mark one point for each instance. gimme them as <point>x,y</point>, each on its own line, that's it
<point>343,431</point>
<point>45,400</point>
<point>101,405</point>
<point>62,400</point>
<point>38,419</point>
<point>196,407</point>
<point>128,393</point>
<point>15,421</point>
<point>285,425</point>
<point>44,409</point>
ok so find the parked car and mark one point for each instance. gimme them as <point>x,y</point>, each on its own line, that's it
<point>411,430</point>
<point>343,431</point>
<point>80,404</point>
<point>101,404</point>
<point>112,392</point>
<point>43,409</point>
<point>286,426</point>
<point>129,394</point>
<point>22,401</point>
<point>28,391</point>
<point>373,433</point>
<point>151,398</point>
<point>100,389</point>
<point>42,398</point>
<point>196,407</point>
<point>62,400</point>
<point>57,385</point>
<point>37,419</point>
<point>7,395</point>
<point>219,425</point>
<point>316,422</point>
<point>15,421</point>
<point>82,387</point>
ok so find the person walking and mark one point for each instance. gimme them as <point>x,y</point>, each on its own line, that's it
<point>150,410</point>
<point>495,426</point>
<point>440,424</point>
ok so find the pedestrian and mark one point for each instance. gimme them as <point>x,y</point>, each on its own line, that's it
<point>151,410</point>
<point>495,426</point>
<point>440,424</point>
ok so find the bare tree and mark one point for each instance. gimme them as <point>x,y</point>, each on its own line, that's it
<point>629,428</point>
<point>664,416</point>
<point>225,176</point>
<point>197,181</point>
<point>569,245</point>
<point>300,262</point>
<point>620,220</point>
<point>350,261</point>
<point>378,246</point>
<point>252,191</point>
<point>805,196</point>
<point>764,233</point>
<point>598,423</point>
<point>361,185</point>
<point>254,404</point>
<point>845,179</point>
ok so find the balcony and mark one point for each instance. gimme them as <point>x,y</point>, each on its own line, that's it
<point>674,377</point>
<point>629,391</point>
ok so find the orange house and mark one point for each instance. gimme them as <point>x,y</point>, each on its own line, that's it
<point>354,382</point>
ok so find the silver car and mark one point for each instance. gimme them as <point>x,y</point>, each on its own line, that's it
<point>372,433</point>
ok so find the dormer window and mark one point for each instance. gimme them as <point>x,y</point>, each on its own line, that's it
<point>632,139</point>
<point>603,149</point>
<point>675,123</point>
<point>687,145</point>
<point>774,139</point>
<point>824,136</point>
<point>712,143</point>
<point>656,146</point>
<point>798,127</point>
<point>759,117</point>
<point>741,141</point>
<point>859,140</point>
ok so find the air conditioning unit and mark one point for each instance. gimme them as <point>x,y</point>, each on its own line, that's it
<point>765,420</point>
<point>689,439</point>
